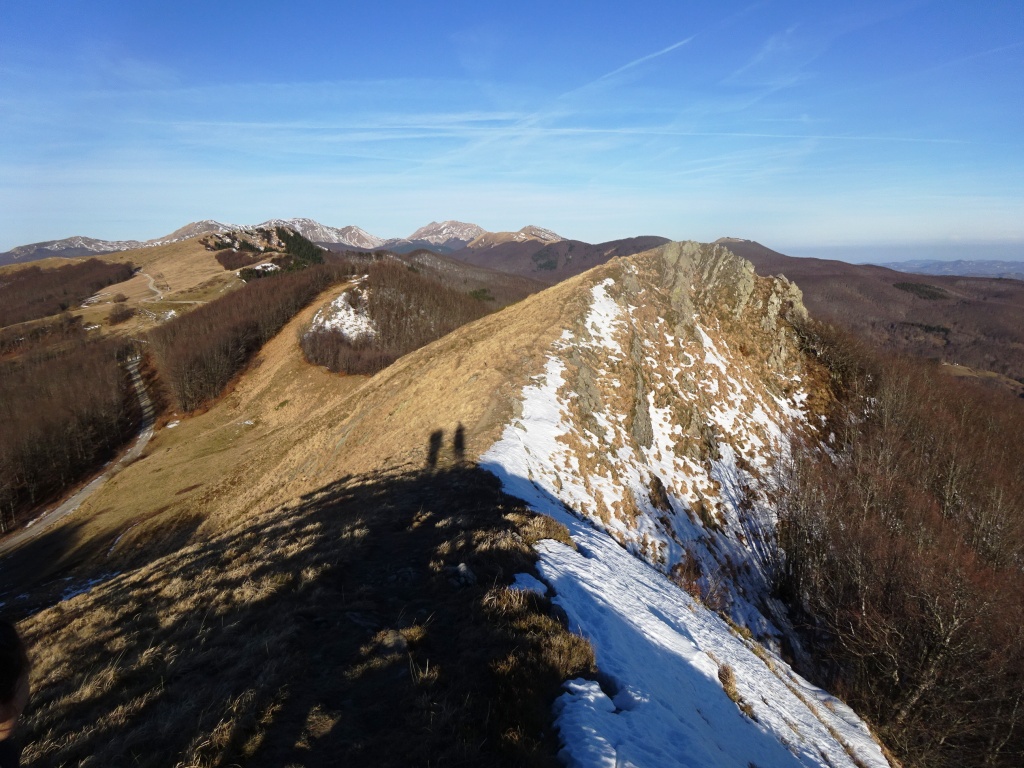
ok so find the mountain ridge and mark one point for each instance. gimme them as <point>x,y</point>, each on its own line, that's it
<point>445,236</point>
<point>960,321</point>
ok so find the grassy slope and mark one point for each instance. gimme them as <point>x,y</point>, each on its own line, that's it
<point>327,626</point>
<point>275,436</point>
<point>183,272</point>
<point>201,469</point>
<point>329,632</point>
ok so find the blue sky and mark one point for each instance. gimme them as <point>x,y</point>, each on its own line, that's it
<point>798,124</point>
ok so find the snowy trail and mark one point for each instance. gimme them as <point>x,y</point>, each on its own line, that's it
<point>660,702</point>
<point>54,515</point>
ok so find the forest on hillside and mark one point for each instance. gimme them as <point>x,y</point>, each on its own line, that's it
<point>198,353</point>
<point>66,406</point>
<point>409,310</point>
<point>33,292</point>
<point>903,550</point>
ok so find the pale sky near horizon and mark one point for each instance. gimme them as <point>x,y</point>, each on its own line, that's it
<point>798,124</point>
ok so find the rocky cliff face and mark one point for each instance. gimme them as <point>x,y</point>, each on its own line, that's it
<point>661,412</point>
<point>652,433</point>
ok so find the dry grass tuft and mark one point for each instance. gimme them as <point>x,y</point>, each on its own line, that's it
<point>328,633</point>
<point>727,677</point>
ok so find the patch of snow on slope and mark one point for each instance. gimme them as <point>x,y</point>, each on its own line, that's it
<point>348,315</point>
<point>714,512</point>
<point>659,655</point>
<point>604,319</point>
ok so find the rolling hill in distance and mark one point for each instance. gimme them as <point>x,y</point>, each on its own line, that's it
<point>977,322</point>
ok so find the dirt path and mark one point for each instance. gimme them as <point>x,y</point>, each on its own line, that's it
<point>153,288</point>
<point>52,516</point>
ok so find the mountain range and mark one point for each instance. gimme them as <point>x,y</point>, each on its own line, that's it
<point>375,536</point>
<point>442,237</point>
<point>963,267</point>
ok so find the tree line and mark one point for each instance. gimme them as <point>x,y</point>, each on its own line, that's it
<point>65,409</point>
<point>902,550</point>
<point>409,310</point>
<point>33,292</point>
<point>198,353</point>
<point>233,260</point>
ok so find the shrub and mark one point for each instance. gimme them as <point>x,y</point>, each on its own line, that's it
<point>120,314</point>
<point>233,260</point>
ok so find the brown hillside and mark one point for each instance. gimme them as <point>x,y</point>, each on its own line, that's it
<point>281,580</point>
<point>173,277</point>
<point>302,608</point>
<point>550,262</point>
<point>966,321</point>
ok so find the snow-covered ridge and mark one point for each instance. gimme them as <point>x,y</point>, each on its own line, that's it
<point>530,232</point>
<point>523,235</point>
<point>451,234</point>
<point>320,233</point>
<point>656,422</point>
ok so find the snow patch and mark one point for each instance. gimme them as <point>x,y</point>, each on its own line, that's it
<point>527,583</point>
<point>636,511</point>
<point>348,315</point>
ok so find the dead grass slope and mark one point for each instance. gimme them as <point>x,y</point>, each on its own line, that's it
<point>172,277</point>
<point>340,630</point>
<point>212,468</point>
<point>330,629</point>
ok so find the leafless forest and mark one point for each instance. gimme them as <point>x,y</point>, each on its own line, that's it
<point>903,551</point>
<point>65,407</point>
<point>197,354</point>
<point>409,310</point>
<point>33,292</point>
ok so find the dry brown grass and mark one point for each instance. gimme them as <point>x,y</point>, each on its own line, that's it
<point>184,272</point>
<point>322,634</point>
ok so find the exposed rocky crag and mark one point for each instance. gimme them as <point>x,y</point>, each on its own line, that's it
<point>676,393</point>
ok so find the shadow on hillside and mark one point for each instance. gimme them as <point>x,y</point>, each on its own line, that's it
<point>35,574</point>
<point>360,626</point>
<point>64,560</point>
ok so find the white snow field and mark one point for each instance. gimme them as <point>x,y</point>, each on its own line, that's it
<point>659,651</point>
<point>348,315</point>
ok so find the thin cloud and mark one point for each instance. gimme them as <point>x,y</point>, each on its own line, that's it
<point>644,59</point>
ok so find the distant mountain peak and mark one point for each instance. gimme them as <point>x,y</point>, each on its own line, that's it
<point>442,232</point>
<point>313,230</point>
<point>532,232</point>
<point>192,230</point>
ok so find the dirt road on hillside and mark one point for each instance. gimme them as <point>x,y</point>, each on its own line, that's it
<point>54,515</point>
